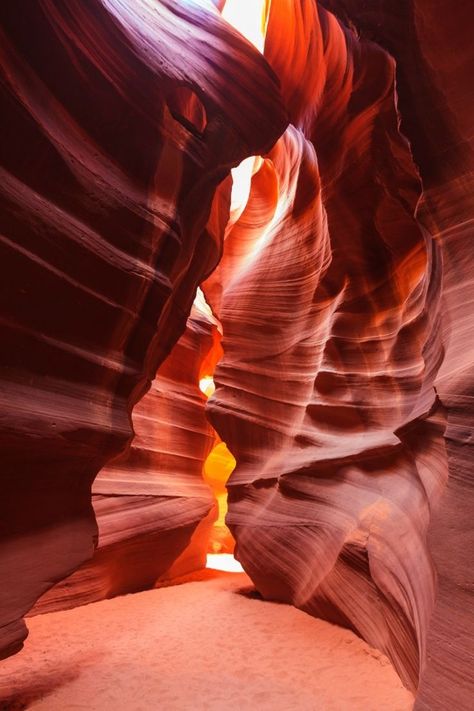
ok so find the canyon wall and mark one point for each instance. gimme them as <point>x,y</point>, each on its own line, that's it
<point>431,42</point>
<point>118,122</point>
<point>340,282</point>
<point>153,509</point>
<point>349,419</point>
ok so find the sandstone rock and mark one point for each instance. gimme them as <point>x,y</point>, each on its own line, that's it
<point>328,294</point>
<point>431,44</point>
<point>343,293</point>
<point>152,500</point>
<point>107,178</point>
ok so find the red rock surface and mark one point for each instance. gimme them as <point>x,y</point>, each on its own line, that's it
<point>338,501</point>
<point>154,511</point>
<point>344,295</point>
<point>431,42</point>
<point>106,188</point>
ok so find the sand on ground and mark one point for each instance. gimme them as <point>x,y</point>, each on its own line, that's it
<point>208,645</point>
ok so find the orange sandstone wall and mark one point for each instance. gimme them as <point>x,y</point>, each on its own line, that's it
<point>431,42</point>
<point>107,180</point>
<point>329,295</point>
<point>154,511</point>
<point>343,292</point>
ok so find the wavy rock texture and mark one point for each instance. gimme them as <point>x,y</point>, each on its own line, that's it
<point>328,294</point>
<point>431,43</point>
<point>345,388</point>
<point>118,121</point>
<point>154,512</point>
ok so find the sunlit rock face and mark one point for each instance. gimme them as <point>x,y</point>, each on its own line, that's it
<point>218,467</point>
<point>333,453</point>
<point>334,330</point>
<point>118,121</point>
<point>336,262</point>
<point>431,44</point>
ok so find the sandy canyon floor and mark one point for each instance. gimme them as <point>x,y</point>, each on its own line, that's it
<point>203,645</point>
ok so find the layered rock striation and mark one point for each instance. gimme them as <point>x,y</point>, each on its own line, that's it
<point>154,511</point>
<point>329,297</point>
<point>336,263</point>
<point>118,121</point>
<point>431,44</point>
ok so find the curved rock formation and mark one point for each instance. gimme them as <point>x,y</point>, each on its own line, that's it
<point>118,121</point>
<point>343,293</point>
<point>431,42</point>
<point>328,294</point>
<point>154,511</point>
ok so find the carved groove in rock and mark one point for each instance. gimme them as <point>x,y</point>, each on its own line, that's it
<point>340,273</point>
<point>329,404</point>
<point>105,198</point>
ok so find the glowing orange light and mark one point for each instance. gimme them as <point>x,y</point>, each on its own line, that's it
<point>220,462</point>
<point>250,18</point>
<point>206,385</point>
<point>217,469</point>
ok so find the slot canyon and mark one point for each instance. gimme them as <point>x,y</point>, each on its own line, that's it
<point>237,355</point>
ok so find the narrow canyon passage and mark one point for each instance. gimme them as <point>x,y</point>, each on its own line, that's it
<point>236,327</point>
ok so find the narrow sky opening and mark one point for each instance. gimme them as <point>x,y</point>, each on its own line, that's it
<point>250,18</point>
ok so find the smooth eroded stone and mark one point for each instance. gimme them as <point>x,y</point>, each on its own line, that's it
<point>119,119</point>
